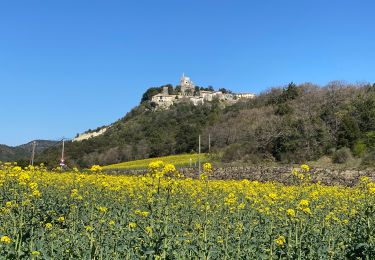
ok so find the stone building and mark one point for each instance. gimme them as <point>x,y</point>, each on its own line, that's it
<point>196,100</point>
<point>207,95</point>
<point>187,86</point>
<point>164,100</point>
<point>245,95</point>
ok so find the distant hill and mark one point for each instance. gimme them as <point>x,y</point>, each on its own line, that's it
<point>8,153</point>
<point>294,123</point>
<point>41,145</point>
<point>23,152</point>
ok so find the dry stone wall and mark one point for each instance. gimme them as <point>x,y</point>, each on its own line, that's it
<point>278,174</point>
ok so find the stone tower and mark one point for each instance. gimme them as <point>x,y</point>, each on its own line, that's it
<point>187,86</point>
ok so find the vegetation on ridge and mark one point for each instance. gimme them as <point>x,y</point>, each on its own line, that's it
<point>295,123</point>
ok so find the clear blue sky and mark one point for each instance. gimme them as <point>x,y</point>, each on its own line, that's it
<point>67,66</point>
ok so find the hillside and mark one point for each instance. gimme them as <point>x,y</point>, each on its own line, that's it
<point>8,153</point>
<point>286,124</point>
<point>23,152</point>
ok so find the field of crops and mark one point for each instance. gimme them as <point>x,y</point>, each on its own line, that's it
<point>70,215</point>
<point>181,160</point>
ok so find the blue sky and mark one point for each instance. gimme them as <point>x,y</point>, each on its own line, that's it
<point>67,66</point>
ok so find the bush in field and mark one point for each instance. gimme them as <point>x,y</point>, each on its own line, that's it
<point>359,148</point>
<point>369,159</point>
<point>233,152</point>
<point>342,155</point>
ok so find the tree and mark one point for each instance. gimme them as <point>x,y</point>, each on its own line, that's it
<point>290,93</point>
<point>348,132</point>
<point>225,91</point>
<point>150,92</point>
<point>196,91</point>
<point>177,89</point>
<point>170,89</point>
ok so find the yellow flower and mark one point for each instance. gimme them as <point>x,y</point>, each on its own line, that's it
<point>89,228</point>
<point>17,169</point>
<point>5,240</point>
<point>102,209</point>
<point>364,179</point>
<point>230,199</point>
<point>61,219</point>
<point>305,167</point>
<point>8,204</point>
<point>96,168</point>
<point>291,213</point>
<point>280,241</point>
<point>36,193</point>
<point>295,172</point>
<point>304,203</point>
<point>48,226</point>
<point>203,176</point>
<point>159,174</point>
<point>307,211</point>
<point>314,195</point>
<point>132,225</point>
<point>35,253</point>
<point>272,196</point>
<point>111,222</point>
<point>169,168</point>
<point>142,213</point>
<point>23,178</point>
<point>207,167</point>
<point>149,230</point>
<point>155,165</point>
<point>33,185</point>
<point>241,205</point>
<point>74,193</point>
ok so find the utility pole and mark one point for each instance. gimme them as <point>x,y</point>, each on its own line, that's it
<point>62,152</point>
<point>33,154</point>
<point>199,155</point>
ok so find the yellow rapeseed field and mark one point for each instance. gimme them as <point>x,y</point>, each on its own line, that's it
<point>162,215</point>
<point>177,160</point>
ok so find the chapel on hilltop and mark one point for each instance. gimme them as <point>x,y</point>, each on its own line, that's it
<point>187,86</point>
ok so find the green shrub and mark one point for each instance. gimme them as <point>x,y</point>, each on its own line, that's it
<point>233,152</point>
<point>342,155</point>
<point>359,148</point>
<point>369,159</point>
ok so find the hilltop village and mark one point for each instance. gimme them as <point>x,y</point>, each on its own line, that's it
<point>189,92</point>
<point>185,91</point>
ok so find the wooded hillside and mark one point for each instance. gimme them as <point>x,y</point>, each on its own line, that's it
<point>294,123</point>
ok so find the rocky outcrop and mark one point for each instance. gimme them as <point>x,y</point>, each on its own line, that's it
<point>88,135</point>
